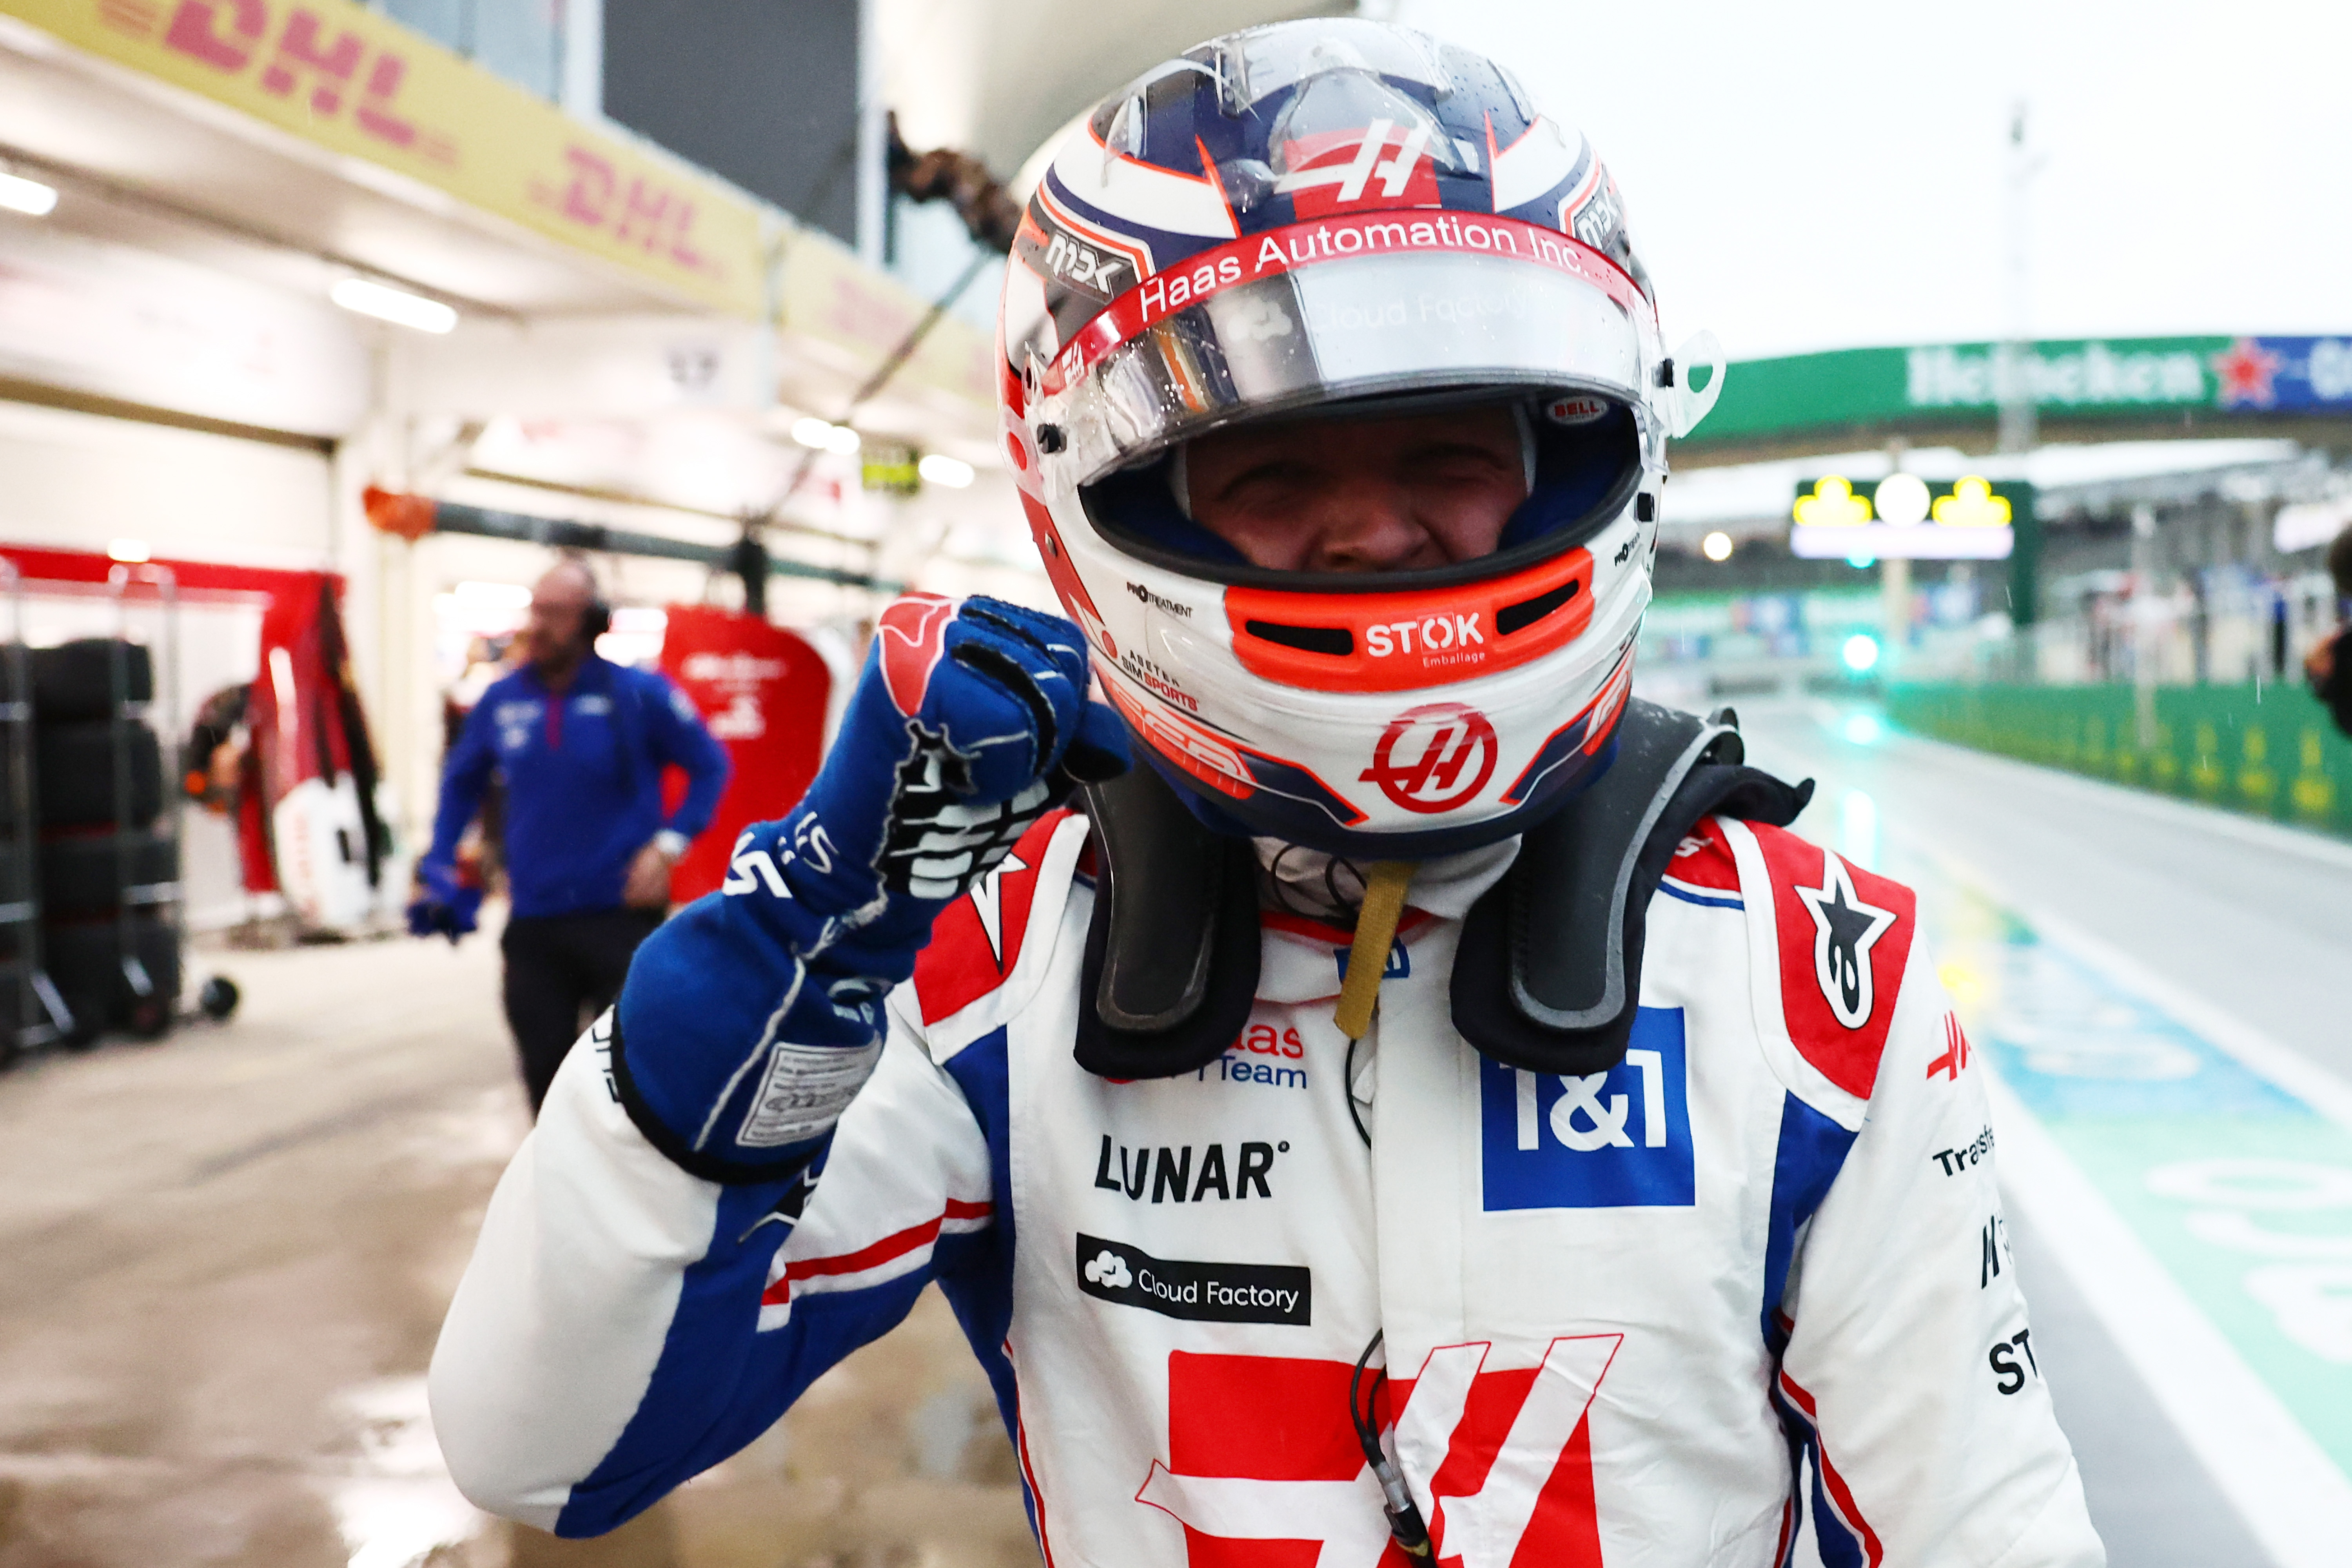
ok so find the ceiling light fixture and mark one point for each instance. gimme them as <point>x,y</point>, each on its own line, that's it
<point>30,198</point>
<point>939,468</point>
<point>394,305</point>
<point>824,436</point>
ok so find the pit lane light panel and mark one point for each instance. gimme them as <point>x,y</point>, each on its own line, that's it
<point>1902,515</point>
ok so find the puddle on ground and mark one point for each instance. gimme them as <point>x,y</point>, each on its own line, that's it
<point>394,1503</point>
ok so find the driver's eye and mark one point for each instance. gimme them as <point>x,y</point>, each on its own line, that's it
<point>1266,477</point>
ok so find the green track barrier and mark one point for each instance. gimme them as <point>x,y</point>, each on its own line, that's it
<point>2270,752</point>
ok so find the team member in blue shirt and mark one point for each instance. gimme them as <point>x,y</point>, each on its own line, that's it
<point>581,743</point>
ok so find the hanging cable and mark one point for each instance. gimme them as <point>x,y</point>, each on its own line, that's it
<point>1406,1524</point>
<point>1359,994</point>
<point>1350,1087</point>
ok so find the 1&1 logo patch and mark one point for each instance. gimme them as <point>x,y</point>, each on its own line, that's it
<point>1615,1140</point>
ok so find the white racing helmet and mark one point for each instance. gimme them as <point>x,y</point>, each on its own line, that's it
<point>1333,219</point>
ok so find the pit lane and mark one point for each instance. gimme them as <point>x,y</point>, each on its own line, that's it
<point>2159,989</point>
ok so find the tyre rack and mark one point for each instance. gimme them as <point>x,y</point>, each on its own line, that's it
<point>165,899</point>
<point>36,1015</point>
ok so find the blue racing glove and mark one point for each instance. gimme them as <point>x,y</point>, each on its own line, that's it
<point>749,1020</point>
<point>446,906</point>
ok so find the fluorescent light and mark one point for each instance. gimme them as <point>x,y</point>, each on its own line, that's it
<point>30,198</point>
<point>824,434</point>
<point>394,305</point>
<point>133,550</point>
<point>939,468</point>
<point>478,595</point>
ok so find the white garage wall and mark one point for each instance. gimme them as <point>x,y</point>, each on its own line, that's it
<point>76,481</point>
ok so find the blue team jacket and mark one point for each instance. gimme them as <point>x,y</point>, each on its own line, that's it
<point>584,775</point>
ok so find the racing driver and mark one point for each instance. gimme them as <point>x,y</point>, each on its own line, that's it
<point>1370,1090</point>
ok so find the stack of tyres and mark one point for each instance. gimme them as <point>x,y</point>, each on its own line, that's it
<point>20,951</point>
<point>109,866</point>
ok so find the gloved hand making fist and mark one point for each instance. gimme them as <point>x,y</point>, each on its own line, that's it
<point>446,903</point>
<point>749,1020</point>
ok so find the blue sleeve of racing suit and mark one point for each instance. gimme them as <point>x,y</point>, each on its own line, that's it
<point>679,735</point>
<point>464,777</point>
<point>623,1326</point>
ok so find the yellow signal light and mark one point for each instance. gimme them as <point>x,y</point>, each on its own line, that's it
<point>1833,504</point>
<point>1972,504</point>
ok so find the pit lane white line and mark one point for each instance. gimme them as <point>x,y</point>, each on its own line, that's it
<point>2289,1493</point>
<point>2291,1496</point>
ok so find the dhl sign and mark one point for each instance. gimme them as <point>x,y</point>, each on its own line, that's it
<point>349,80</point>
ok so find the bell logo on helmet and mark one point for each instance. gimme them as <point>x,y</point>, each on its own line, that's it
<point>1434,757</point>
<point>1576,410</point>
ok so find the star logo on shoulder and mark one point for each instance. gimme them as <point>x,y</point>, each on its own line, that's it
<point>1844,931</point>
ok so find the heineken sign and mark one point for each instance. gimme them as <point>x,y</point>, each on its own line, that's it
<point>2094,378</point>
<point>1949,376</point>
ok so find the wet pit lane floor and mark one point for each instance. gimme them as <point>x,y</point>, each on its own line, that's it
<point>2161,989</point>
<point>227,1255</point>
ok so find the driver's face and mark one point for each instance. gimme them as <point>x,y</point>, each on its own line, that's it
<point>1360,495</point>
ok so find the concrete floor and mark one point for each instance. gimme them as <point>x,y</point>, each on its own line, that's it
<point>228,1256</point>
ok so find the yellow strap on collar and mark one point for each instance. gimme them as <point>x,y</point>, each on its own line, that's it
<point>1376,924</point>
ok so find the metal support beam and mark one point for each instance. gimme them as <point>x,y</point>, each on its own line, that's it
<point>450,517</point>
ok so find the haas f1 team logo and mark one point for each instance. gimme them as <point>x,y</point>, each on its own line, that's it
<point>1500,1460</point>
<point>1380,165</point>
<point>1435,758</point>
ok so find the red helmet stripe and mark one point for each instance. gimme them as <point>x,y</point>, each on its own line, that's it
<point>1278,250</point>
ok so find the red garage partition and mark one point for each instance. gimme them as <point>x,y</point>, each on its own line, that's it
<point>304,714</point>
<point>762,691</point>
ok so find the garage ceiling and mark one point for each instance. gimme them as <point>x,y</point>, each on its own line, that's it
<point>136,150</point>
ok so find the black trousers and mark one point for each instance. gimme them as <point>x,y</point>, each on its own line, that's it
<point>561,971</point>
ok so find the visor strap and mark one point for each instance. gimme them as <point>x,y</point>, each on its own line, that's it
<point>1368,959</point>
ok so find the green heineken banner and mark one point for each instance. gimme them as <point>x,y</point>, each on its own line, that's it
<point>2097,378</point>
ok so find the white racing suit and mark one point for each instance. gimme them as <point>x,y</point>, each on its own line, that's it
<point>1647,1318</point>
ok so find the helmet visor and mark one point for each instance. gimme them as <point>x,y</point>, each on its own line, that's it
<point>1186,352</point>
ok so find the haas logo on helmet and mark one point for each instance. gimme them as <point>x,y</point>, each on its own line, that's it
<point>1434,757</point>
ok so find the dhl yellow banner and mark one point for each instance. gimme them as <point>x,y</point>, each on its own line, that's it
<point>824,292</point>
<point>349,80</point>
